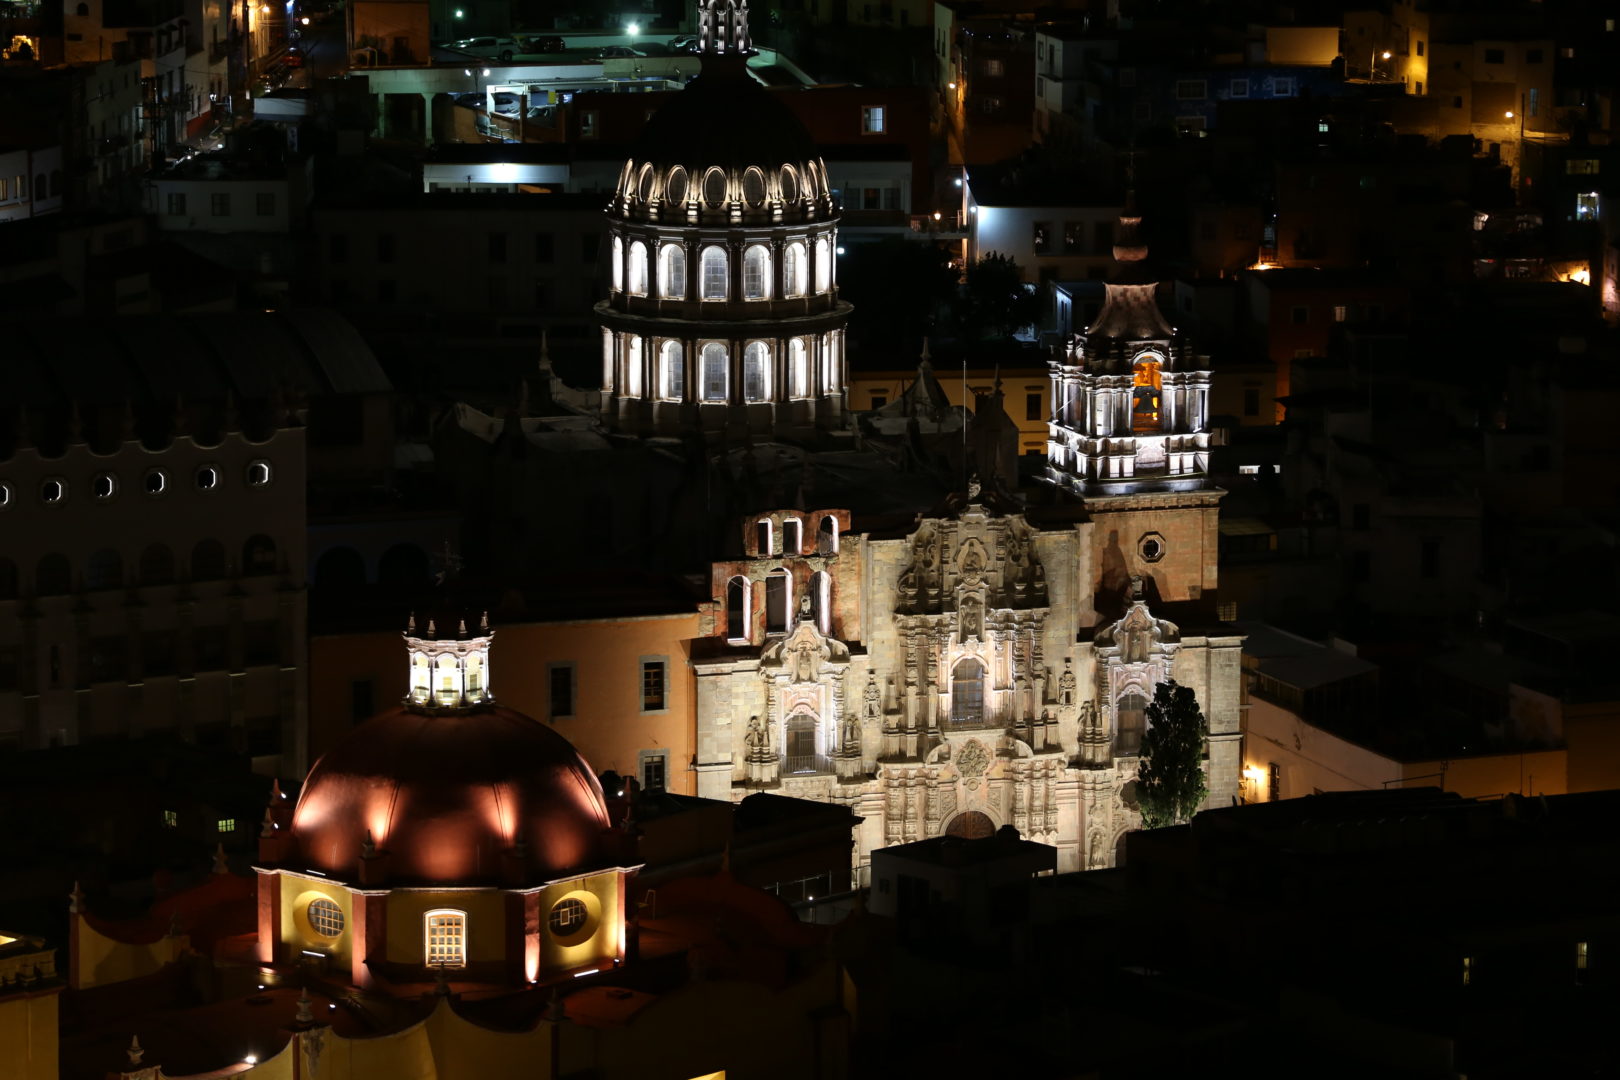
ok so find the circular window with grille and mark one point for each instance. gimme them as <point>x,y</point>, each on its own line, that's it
<point>568,917</point>
<point>325,917</point>
<point>1151,547</point>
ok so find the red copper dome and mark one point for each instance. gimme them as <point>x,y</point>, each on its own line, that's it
<point>447,795</point>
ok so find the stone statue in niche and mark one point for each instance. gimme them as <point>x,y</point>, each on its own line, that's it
<point>1088,716</point>
<point>1135,592</point>
<point>974,487</point>
<point>805,656</point>
<point>805,612</point>
<point>850,734</point>
<point>872,697</point>
<point>972,563</point>
<point>754,737</point>
<point>1066,683</point>
<point>972,623</point>
<point>1096,860</point>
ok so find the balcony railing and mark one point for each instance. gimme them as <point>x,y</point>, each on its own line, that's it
<point>941,224</point>
<point>805,764</point>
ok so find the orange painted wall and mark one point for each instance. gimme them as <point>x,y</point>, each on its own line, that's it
<point>608,726</point>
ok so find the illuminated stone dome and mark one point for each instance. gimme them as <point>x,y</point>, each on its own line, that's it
<point>450,788</point>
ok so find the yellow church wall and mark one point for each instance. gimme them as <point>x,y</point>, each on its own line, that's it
<point>280,1067</point>
<point>28,1036</point>
<point>465,1051</point>
<point>98,960</point>
<point>406,1055</point>
<point>486,922</point>
<point>600,940</point>
<point>296,895</point>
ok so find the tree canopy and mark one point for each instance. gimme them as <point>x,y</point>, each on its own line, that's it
<point>1170,778</point>
<point>997,301</point>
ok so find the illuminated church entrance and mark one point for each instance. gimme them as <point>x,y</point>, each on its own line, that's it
<point>971,825</point>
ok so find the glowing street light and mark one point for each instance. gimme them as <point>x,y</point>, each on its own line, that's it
<point>951,85</point>
<point>1385,54</point>
<point>460,13</point>
<point>633,29</point>
<point>1508,115</point>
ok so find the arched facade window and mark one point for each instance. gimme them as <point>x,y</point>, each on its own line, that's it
<point>672,272</point>
<point>632,365</point>
<point>967,694</point>
<point>756,372</point>
<point>823,266</point>
<point>638,269</point>
<point>673,367</point>
<point>259,555</point>
<point>739,625</point>
<point>778,601</point>
<point>715,373</point>
<point>757,273</point>
<point>53,576</point>
<point>827,536</point>
<point>618,264</point>
<point>1147,395</point>
<point>105,570</point>
<point>793,269</point>
<point>792,537</point>
<point>208,561</point>
<point>798,367</point>
<point>800,750</point>
<point>1130,720</point>
<point>444,938</point>
<point>762,537</point>
<point>714,273</point>
<point>821,600</point>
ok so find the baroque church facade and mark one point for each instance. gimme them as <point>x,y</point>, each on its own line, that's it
<point>990,662</point>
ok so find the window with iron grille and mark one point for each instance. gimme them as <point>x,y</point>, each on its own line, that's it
<point>325,917</point>
<point>446,938</point>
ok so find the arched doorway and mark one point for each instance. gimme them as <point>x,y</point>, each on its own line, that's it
<point>970,825</point>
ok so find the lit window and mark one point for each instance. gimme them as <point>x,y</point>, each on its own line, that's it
<point>1226,611</point>
<point>1580,956</point>
<point>714,273</point>
<point>1240,88</point>
<point>652,686</point>
<point>778,600</point>
<point>1581,167</point>
<point>1341,312</point>
<point>446,933</point>
<point>799,367</point>
<point>568,917</point>
<point>1146,393</point>
<point>171,819</point>
<point>674,371</point>
<point>793,270</point>
<point>994,69</point>
<point>226,825</point>
<point>756,273</point>
<point>756,369</point>
<point>1467,970</point>
<point>325,917</point>
<point>714,372</point>
<point>258,474</point>
<point>872,120</point>
<point>823,266</point>
<point>672,272</point>
<point>1586,207</point>
<point>654,768</point>
<point>638,269</point>
<point>617,270</point>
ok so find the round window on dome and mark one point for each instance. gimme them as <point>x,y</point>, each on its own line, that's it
<point>325,917</point>
<point>790,184</point>
<point>644,186</point>
<point>753,186</point>
<point>675,186</point>
<point>714,187</point>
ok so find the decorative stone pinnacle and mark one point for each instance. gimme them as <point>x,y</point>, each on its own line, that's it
<point>304,1015</point>
<point>75,900</point>
<point>135,1052</point>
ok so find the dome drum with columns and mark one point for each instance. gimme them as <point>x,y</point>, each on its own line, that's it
<point>446,832</point>
<point>723,312</point>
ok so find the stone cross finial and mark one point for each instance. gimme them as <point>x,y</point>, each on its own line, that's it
<point>75,900</point>
<point>135,1052</point>
<point>220,866</point>
<point>304,1015</point>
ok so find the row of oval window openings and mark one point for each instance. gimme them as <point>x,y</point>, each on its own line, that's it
<point>715,187</point>
<point>105,485</point>
<point>446,930</point>
<point>714,279</point>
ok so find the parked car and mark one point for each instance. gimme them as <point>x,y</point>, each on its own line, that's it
<point>293,58</point>
<point>493,48</point>
<point>617,52</point>
<point>541,43</point>
<point>683,43</point>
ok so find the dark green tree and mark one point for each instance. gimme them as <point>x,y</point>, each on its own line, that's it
<point>996,301</point>
<point>1170,779</point>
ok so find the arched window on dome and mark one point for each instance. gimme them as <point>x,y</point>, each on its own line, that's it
<point>823,266</point>
<point>638,269</point>
<point>792,536</point>
<point>827,536</point>
<point>445,938</point>
<point>756,372</point>
<point>714,272</point>
<point>778,601</point>
<point>1147,394</point>
<point>672,272</point>
<point>798,367</point>
<point>673,367</point>
<point>757,273</point>
<point>793,269</point>
<point>618,264</point>
<point>738,616</point>
<point>632,365</point>
<point>476,677</point>
<point>715,373</point>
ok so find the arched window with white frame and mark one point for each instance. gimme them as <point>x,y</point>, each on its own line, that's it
<point>672,272</point>
<point>638,269</point>
<point>757,372</point>
<point>618,264</point>
<point>673,369</point>
<point>798,368</point>
<point>821,600</point>
<point>714,272</point>
<point>444,932</point>
<point>739,597</point>
<point>716,377</point>
<point>757,273</point>
<point>778,601</point>
<point>823,265</point>
<point>792,536</point>
<point>763,537</point>
<point>827,536</point>
<point>793,266</point>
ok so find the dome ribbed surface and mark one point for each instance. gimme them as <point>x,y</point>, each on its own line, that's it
<point>726,118</point>
<point>446,794</point>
